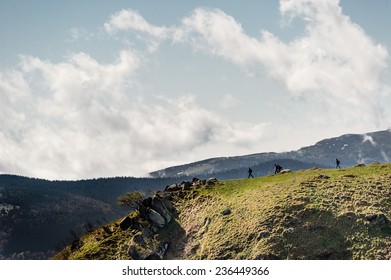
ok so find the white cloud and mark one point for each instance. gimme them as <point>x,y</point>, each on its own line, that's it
<point>15,97</point>
<point>83,122</point>
<point>335,62</point>
<point>211,30</point>
<point>132,20</point>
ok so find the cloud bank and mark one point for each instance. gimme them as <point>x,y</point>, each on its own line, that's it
<point>84,122</point>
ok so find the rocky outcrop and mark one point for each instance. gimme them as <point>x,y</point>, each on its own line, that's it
<point>189,185</point>
<point>158,211</point>
<point>160,207</point>
<point>143,234</point>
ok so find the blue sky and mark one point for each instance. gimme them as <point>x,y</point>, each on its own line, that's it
<point>122,88</point>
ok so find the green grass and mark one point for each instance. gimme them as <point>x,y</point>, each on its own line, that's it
<point>310,214</point>
<point>300,215</point>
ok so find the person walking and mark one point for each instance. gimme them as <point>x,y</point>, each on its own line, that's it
<point>337,163</point>
<point>278,168</point>
<point>250,173</point>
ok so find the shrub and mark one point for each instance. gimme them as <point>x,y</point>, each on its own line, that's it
<point>131,200</point>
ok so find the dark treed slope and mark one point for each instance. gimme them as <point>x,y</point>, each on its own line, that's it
<point>39,216</point>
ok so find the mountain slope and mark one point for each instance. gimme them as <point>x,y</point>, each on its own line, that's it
<point>309,214</point>
<point>351,149</point>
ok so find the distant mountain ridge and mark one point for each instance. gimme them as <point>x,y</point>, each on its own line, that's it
<point>351,149</point>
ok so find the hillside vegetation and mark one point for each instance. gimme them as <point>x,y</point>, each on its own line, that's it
<point>309,214</point>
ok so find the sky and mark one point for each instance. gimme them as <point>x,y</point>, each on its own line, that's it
<point>121,88</point>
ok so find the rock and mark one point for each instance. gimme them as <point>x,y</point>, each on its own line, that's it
<point>226,212</point>
<point>172,188</point>
<point>380,219</point>
<point>126,223</point>
<point>285,171</point>
<point>159,206</point>
<point>211,181</point>
<point>203,182</point>
<point>154,229</point>
<point>107,230</point>
<point>262,235</point>
<point>138,239</point>
<point>360,165</point>
<point>133,253</point>
<point>168,204</point>
<point>147,202</point>
<point>185,185</point>
<point>321,176</point>
<point>160,251</point>
<point>156,218</point>
<point>194,180</point>
<point>147,232</point>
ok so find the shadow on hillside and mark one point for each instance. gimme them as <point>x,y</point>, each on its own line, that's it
<point>313,234</point>
<point>177,238</point>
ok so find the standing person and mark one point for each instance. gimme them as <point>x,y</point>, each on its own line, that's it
<point>278,168</point>
<point>337,162</point>
<point>250,173</point>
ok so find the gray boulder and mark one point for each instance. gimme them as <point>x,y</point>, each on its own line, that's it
<point>173,188</point>
<point>168,204</point>
<point>159,206</point>
<point>156,218</point>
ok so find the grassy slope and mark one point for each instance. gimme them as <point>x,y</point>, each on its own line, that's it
<point>300,215</point>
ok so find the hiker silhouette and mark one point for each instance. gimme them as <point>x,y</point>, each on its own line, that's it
<point>250,173</point>
<point>337,163</point>
<point>278,168</point>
